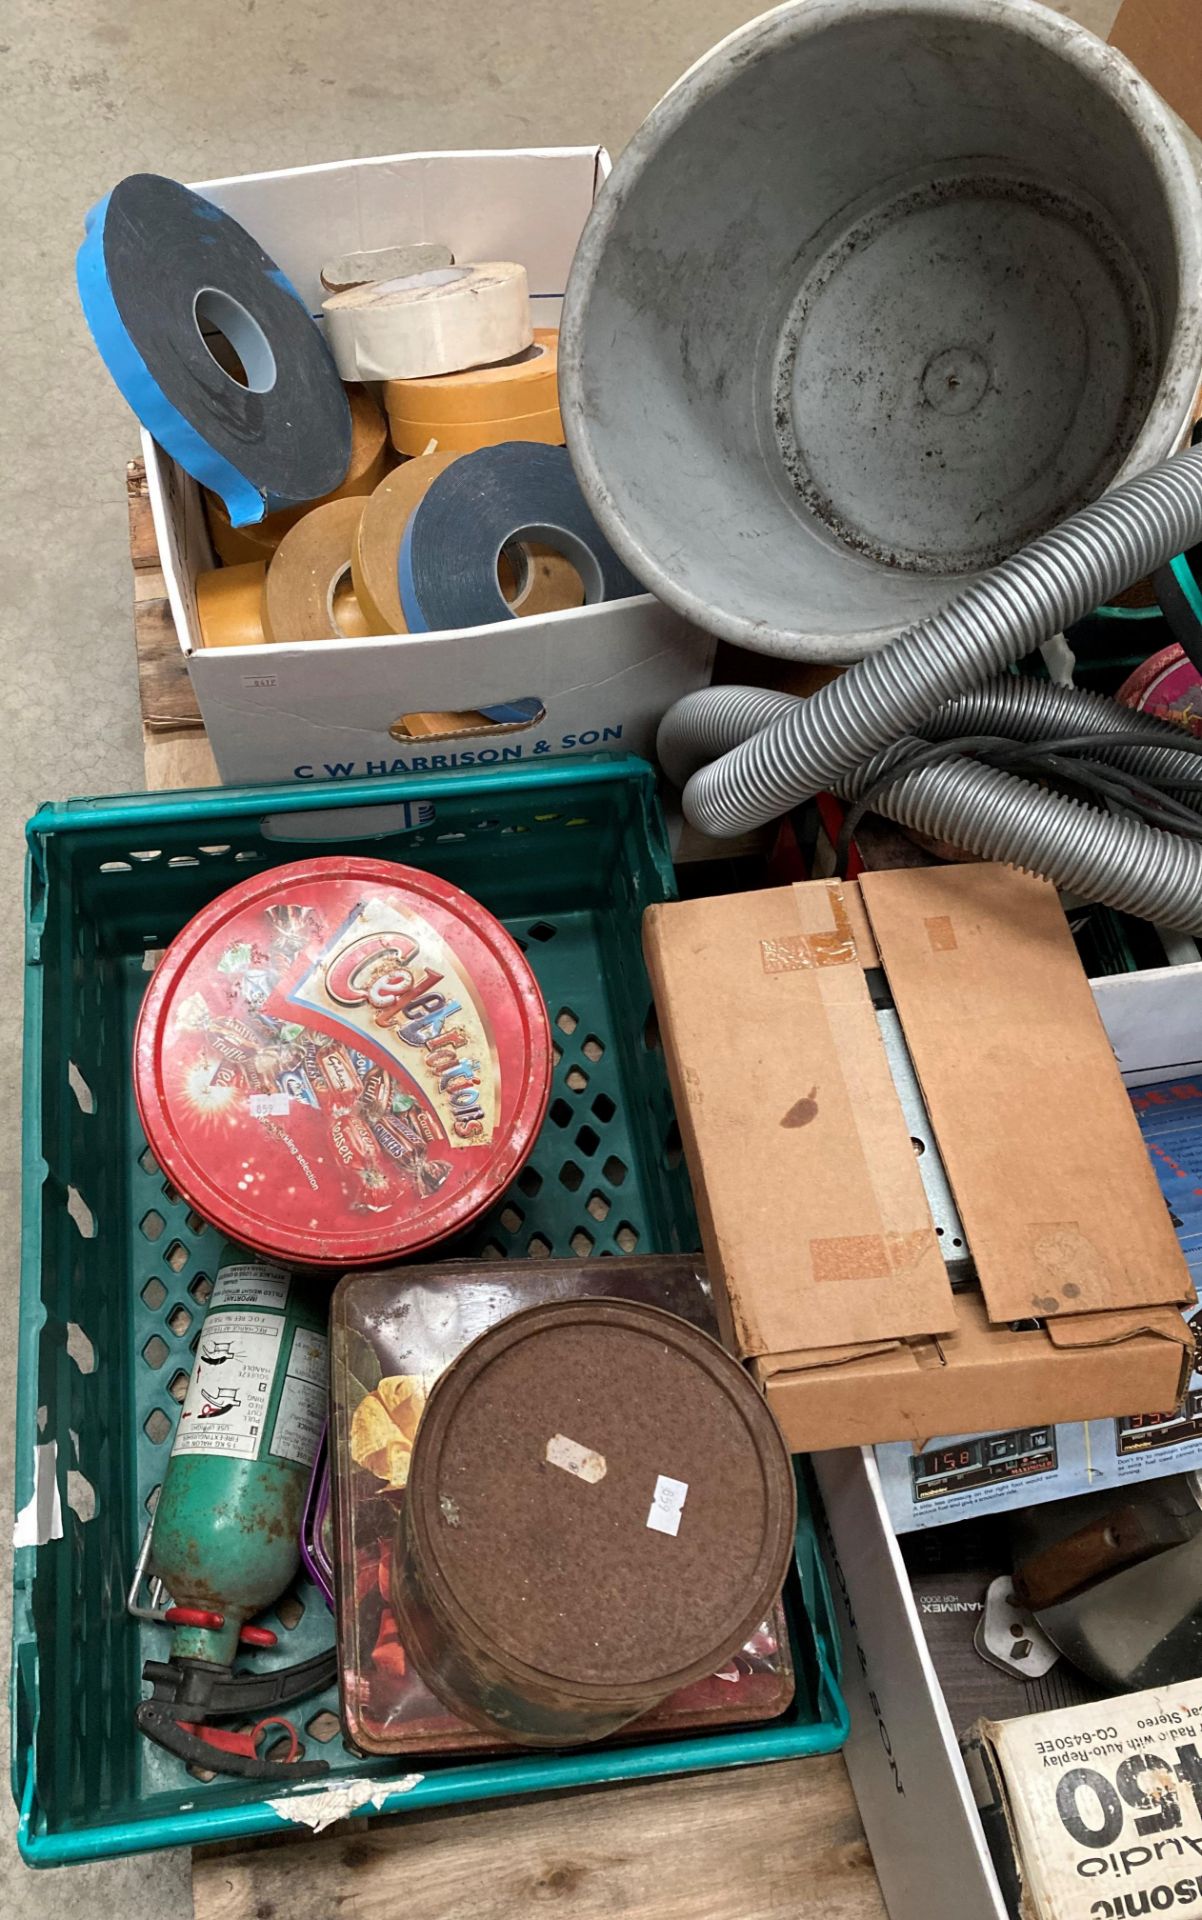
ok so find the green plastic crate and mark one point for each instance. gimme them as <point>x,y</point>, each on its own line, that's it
<point>115,1267</point>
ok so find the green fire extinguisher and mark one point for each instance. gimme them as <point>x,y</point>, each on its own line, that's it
<point>226,1535</point>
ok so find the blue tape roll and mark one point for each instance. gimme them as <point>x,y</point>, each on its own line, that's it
<point>447,568</point>
<point>156,264</point>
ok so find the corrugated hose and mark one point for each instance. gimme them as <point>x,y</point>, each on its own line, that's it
<point>889,712</point>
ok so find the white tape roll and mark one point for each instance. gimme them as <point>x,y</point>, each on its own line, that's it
<point>439,322</point>
<point>383,263</point>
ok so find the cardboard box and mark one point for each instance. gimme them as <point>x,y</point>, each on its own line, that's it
<point>1095,1812</point>
<point>827,1265</point>
<point>1163,38</point>
<point>903,1752</point>
<point>956,1476</point>
<point>334,709</point>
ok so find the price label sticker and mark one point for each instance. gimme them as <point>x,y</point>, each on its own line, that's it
<point>667,1504</point>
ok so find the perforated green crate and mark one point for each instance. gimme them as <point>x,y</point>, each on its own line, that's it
<point>116,1269</point>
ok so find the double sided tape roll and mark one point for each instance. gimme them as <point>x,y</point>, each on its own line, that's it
<point>369,462</point>
<point>535,580</point>
<point>310,594</point>
<point>377,542</point>
<point>544,580</point>
<point>158,267</point>
<point>229,605</point>
<point>526,383</point>
<point>430,323</point>
<point>485,502</point>
<point>468,436</point>
<point>461,412</point>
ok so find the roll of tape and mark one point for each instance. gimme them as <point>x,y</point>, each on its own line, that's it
<point>535,579</point>
<point>430,323</point>
<point>229,605</point>
<point>483,503</point>
<point>544,581</point>
<point>527,383</point>
<point>349,617</point>
<point>370,459</point>
<point>377,544</point>
<point>158,267</point>
<point>383,263</point>
<point>310,575</point>
<point>468,436</point>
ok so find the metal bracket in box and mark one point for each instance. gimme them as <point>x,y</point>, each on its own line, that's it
<point>952,1242</point>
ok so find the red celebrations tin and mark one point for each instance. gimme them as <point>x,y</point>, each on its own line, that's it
<point>342,1060</point>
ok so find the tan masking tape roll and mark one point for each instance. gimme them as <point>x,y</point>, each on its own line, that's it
<point>370,460</point>
<point>430,323</point>
<point>526,384</point>
<point>467,436</point>
<point>308,577</point>
<point>551,583</point>
<point>349,617</point>
<point>377,543</point>
<point>229,605</point>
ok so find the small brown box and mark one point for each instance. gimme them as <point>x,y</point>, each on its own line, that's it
<point>1161,38</point>
<point>826,1266</point>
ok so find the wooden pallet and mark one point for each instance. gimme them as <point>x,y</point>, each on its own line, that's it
<point>781,1842</point>
<point>175,745</point>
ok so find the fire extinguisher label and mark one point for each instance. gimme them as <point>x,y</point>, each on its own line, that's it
<point>226,1403</point>
<point>301,1414</point>
<point>251,1285</point>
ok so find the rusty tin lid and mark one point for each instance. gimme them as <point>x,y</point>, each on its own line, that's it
<point>342,1060</point>
<point>600,1498</point>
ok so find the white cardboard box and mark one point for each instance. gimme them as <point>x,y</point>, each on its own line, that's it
<point>324,710</point>
<point>903,1754</point>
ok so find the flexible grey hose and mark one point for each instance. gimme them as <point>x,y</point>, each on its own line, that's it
<point>1022,708</point>
<point>816,743</point>
<point>715,719</point>
<point>711,721</point>
<point>1111,857</point>
<point>1114,858</point>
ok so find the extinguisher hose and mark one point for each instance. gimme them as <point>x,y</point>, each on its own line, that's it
<point>775,752</point>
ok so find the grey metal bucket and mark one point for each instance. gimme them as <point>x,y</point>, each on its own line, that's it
<point>880,290</point>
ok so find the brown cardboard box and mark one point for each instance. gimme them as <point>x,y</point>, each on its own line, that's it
<point>827,1270</point>
<point>1164,40</point>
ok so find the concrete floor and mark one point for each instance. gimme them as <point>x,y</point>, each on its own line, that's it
<point>97,89</point>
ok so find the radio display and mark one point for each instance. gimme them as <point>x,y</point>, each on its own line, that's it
<point>1144,1432</point>
<point>986,1461</point>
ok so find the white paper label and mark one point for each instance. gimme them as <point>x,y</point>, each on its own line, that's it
<point>226,1402</point>
<point>266,1106</point>
<point>667,1504</point>
<point>585,1462</point>
<point>308,1359</point>
<point>250,1285</point>
<point>300,1416</point>
<point>41,1518</point>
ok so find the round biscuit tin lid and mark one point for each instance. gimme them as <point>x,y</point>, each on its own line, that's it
<point>599,1498</point>
<point>342,1060</point>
